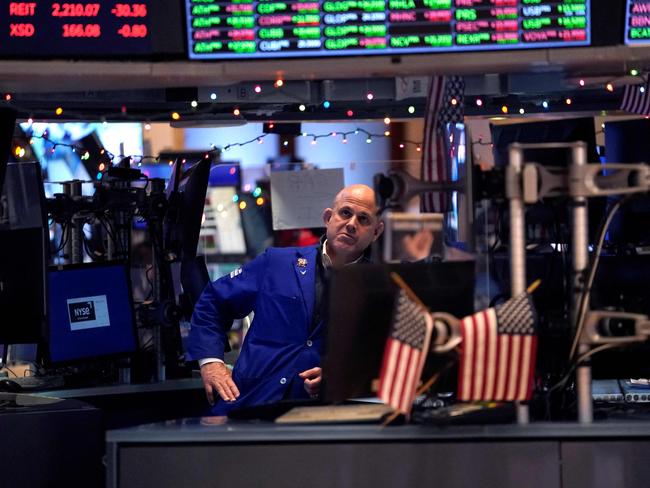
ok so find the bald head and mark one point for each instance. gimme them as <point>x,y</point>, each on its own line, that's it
<point>352,223</point>
<point>360,193</point>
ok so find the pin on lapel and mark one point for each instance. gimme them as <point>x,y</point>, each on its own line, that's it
<point>302,265</point>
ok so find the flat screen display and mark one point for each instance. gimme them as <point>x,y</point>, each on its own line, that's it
<point>75,29</point>
<point>90,312</point>
<point>240,29</point>
<point>637,22</point>
<point>222,232</point>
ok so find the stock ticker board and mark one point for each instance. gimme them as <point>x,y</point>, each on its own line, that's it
<point>75,30</point>
<point>637,22</point>
<point>242,29</point>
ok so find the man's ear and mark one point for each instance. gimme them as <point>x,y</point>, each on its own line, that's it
<point>379,229</point>
<point>327,215</point>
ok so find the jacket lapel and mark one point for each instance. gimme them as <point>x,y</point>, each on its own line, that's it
<point>304,266</point>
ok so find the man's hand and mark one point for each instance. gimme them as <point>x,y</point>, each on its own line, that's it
<point>216,376</point>
<point>418,245</point>
<point>312,379</point>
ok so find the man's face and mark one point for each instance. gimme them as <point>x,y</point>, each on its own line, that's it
<point>352,225</point>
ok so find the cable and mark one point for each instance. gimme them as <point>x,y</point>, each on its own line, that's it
<point>562,383</point>
<point>64,237</point>
<point>584,299</point>
<point>146,275</point>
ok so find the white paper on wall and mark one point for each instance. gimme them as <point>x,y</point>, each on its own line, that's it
<point>298,198</point>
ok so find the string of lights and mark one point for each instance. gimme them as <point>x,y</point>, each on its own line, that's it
<point>138,160</point>
<point>263,94</point>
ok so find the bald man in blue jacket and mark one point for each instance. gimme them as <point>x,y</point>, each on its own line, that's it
<point>280,358</point>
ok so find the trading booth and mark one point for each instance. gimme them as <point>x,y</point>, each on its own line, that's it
<point>495,334</point>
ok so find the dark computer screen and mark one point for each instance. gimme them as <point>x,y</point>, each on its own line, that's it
<point>90,312</point>
<point>360,311</point>
<point>622,284</point>
<point>22,288</point>
<point>7,126</point>
<point>22,202</point>
<point>193,187</point>
<point>549,220</point>
<point>563,130</point>
<point>23,254</point>
<point>627,142</point>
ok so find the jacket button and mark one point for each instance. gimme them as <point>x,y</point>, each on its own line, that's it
<point>283,381</point>
<point>310,343</point>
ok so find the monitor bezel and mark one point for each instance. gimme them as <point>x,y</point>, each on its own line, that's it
<point>47,357</point>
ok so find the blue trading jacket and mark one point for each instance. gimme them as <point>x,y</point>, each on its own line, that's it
<point>279,286</point>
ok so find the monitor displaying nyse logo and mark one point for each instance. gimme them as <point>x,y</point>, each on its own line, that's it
<point>88,312</point>
<point>81,311</point>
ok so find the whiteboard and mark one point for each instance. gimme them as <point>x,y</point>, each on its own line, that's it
<point>298,198</point>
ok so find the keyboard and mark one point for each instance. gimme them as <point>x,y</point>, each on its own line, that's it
<point>39,383</point>
<point>621,391</point>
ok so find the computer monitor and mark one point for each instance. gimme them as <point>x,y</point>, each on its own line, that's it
<point>548,131</point>
<point>622,284</point>
<point>548,221</point>
<point>24,253</point>
<point>22,287</point>
<point>360,310</point>
<point>96,154</point>
<point>222,232</point>
<point>90,312</point>
<point>628,142</point>
<point>22,201</point>
<point>7,127</point>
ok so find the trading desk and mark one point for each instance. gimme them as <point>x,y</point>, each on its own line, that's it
<point>138,403</point>
<point>49,442</point>
<point>192,452</point>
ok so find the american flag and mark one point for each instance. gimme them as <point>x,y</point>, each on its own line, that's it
<point>405,353</point>
<point>498,349</point>
<point>441,110</point>
<point>636,99</point>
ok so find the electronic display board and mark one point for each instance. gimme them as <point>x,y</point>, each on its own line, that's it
<point>85,29</point>
<point>637,22</point>
<point>240,29</point>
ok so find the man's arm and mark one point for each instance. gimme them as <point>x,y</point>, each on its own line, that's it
<point>230,297</point>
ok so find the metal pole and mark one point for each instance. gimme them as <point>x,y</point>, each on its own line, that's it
<point>580,253</point>
<point>73,250</point>
<point>514,193</point>
<point>156,331</point>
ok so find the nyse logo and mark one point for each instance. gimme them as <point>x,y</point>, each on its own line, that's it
<point>81,311</point>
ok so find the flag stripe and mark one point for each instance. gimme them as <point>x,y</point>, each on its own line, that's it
<point>393,349</point>
<point>404,351</point>
<point>524,367</point>
<point>441,162</point>
<point>411,381</point>
<point>468,353</point>
<point>395,379</point>
<point>504,350</point>
<point>479,355</point>
<point>490,361</point>
<point>515,342</point>
<point>531,372</point>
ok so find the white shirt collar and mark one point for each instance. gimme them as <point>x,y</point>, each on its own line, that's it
<point>327,261</point>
